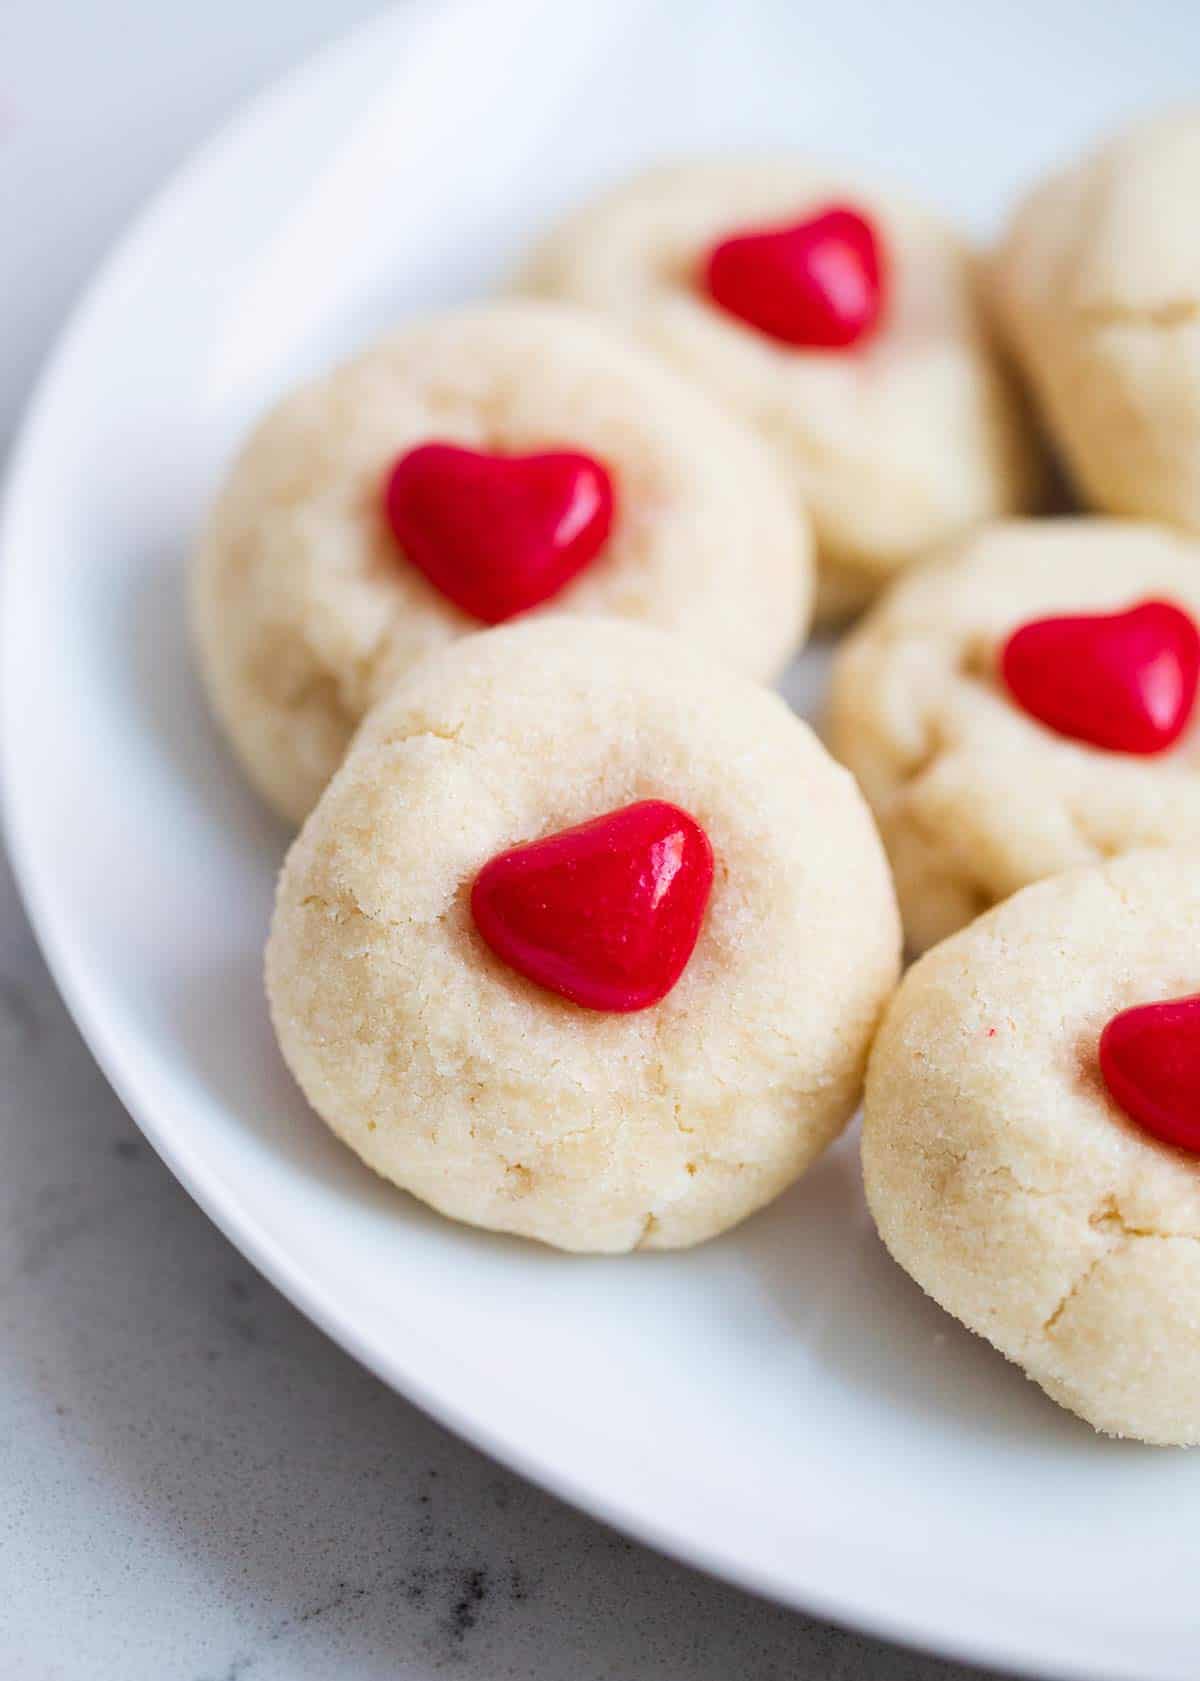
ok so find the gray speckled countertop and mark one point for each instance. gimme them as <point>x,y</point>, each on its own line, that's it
<point>194,1482</point>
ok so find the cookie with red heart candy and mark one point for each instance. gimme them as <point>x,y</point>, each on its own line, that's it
<point>839,320</point>
<point>1025,704</point>
<point>497,462</point>
<point>586,940</point>
<point>1031,1137</point>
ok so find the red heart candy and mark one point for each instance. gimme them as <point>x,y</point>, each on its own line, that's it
<point>1150,1060</point>
<point>817,283</point>
<point>1124,681</point>
<point>607,913</point>
<point>499,534</point>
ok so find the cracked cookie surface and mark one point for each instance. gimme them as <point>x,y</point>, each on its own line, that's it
<point>1097,286</point>
<point>974,797</point>
<point>905,441</point>
<point>1004,1179</point>
<point>503,1104</point>
<point>305,610</point>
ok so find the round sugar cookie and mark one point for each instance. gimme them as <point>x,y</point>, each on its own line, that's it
<point>895,442</point>
<point>1097,287</point>
<point>308,607</point>
<point>509,1104</point>
<point>975,794</point>
<point>1002,1173</point>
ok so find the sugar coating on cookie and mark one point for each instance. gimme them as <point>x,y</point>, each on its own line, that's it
<point>975,797</point>
<point>904,440</point>
<point>510,1107</point>
<point>1097,286</point>
<point>1004,1178</point>
<point>306,611</point>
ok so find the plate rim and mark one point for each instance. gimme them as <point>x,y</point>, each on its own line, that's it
<point>847,1606</point>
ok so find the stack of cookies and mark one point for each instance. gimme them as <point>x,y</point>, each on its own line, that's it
<point>585,936</point>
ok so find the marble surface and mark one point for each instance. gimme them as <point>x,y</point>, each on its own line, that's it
<point>194,1482</point>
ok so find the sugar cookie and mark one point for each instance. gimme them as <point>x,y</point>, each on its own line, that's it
<point>1097,285</point>
<point>980,786</point>
<point>1005,1176</point>
<point>642,500</point>
<point>893,421</point>
<point>497,1058</point>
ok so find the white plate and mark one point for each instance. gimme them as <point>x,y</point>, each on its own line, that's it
<point>783,1406</point>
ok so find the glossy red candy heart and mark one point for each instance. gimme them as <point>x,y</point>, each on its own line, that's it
<point>1150,1060</point>
<point>1124,681</point>
<point>607,913</point>
<point>818,283</point>
<point>499,534</point>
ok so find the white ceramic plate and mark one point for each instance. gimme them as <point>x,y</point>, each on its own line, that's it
<point>782,1406</point>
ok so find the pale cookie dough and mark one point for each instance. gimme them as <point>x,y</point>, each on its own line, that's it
<point>974,797</point>
<point>305,610</point>
<point>1097,284</point>
<point>1003,1177</point>
<point>502,1104</point>
<point>902,442</point>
